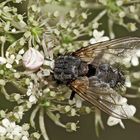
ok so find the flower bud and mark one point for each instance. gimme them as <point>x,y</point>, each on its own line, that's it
<point>71,126</point>
<point>33,59</point>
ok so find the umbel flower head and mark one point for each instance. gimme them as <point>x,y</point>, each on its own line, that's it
<point>33,59</point>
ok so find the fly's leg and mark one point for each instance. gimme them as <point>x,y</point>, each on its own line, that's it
<point>72,95</point>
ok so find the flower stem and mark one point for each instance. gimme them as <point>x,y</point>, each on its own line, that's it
<point>99,16</point>
<point>55,119</point>
<point>110,27</point>
<point>135,119</point>
<point>3,90</point>
<point>33,115</point>
<point>20,88</point>
<point>2,49</point>
<point>42,124</point>
<point>98,121</point>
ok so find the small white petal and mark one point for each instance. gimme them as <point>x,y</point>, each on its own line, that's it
<point>128,84</point>
<point>49,63</point>
<point>7,54</point>
<point>17,61</point>
<point>12,57</point>
<point>18,57</point>
<point>21,51</point>
<point>104,38</point>
<point>17,131</point>
<point>2,60</point>
<point>92,41</point>
<point>5,122</point>
<point>78,103</point>
<point>130,110</point>
<point>138,53</point>
<point>71,102</point>
<point>114,121</point>
<point>95,25</point>
<point>133,109</point>
<point>122,100</point>
<point>29,92</point>
<point>98,34</point>
<point>10,136</point>
<point>2,131</point>
<point>13,30</point>
<point>32,99</point>
<point>12,124</point>
<point>135,61</point>
<point>24,138</point>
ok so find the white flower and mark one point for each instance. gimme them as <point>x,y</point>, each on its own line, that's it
<point>33,59</point>
<point>10,130</point>
<point>32,94</point>
<point>129,110</point>
<point>98,37</point>
<point>32,99</point>
<point>132,59</point>
<point>113,121</point>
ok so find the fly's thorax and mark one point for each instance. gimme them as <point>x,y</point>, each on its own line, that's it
<point>67,68</point>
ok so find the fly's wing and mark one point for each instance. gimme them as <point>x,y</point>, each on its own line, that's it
<point>114,49</point>
<point>102,96</point>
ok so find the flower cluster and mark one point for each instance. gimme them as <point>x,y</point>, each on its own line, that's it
<point>10,130</point>
<point>30,42</point>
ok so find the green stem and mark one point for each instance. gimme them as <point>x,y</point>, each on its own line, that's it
<point>42,124</point>
<point>55,119</point>
<point>20,88</point>
<point>110,27</point>
<point>3,90</point>
<point>4,3</point>
<point>98,121</point>
<point>2,49</point>
<point>94,6</point>
<point>135,119</point>
<point>100,15</point>
<point>33,115</point>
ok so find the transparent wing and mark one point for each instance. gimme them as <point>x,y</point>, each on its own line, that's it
<point>114,49</point>
<point>102,96</point>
